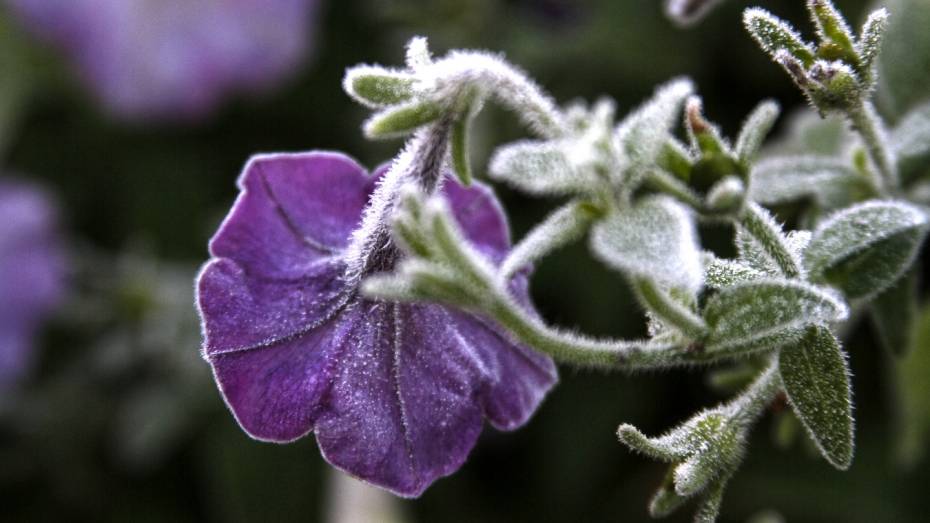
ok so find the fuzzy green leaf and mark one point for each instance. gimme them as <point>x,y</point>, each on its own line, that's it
<point>402,119</point>
<point>774,35</point>
<point>871,36</point>
<point>643,134</point>
<point>816,380</point>
<point>461,164</point>
<point>831,26</point>
<point>864,249</point>
<point>377,86</point>
<point>655,239</point>
<point>751,312</point>
<point>552,167</point>
<point>788,178</point>
<point>755,129</point>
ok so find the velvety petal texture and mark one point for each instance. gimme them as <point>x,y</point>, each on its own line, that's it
<point>173,58</point>
<point>31,273</point>
<point>396,393</point>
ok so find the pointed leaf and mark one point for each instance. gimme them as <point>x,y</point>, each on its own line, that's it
<point>816,380</point>
<point>865,248</point>
<point>774,35</point>
<point>750,312</point>
<point>545,167</point>
<point>871,36</point>
<point>655,239</point>
<point>402,119</point>
<point>461,164</point>
<point>784,179</point>
<point>755,129</point>
<point>377,86</point>
<point>831,26</point>
<point>643,134</point>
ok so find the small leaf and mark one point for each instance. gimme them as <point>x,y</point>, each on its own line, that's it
<point>461,164</point>
<point>831,26</point>
<point>655,239</point>
<point>545,167</point>
<point>894,312</point>
<point>871,36</point>
<point>864,249</point>
<point>784,179</point>
<point>755,129</point>
<point>666,500</point>
<point>773,35</point>
<point>644,133</point>
<point>709,508</point>
<point>377,86</point>
<point>671,447</point>
<point>720,273</point>
<point>403,119</point>
<point>816,380</point>
<point>751,312</point>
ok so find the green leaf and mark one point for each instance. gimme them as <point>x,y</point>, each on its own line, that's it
<point>720,273</point>
<point>403,119</point>
<point>816,379</point>
<point>894,312</point>
<point>774,35</point>
<point>755,129</point>
<point>864,249</point>
<point>546,168</point>
<point>748,313</point>
<point>665,500</point>
<point>377,86</point>
<point>830,181</point>
<point>871,36</point>
<point>461,164</point>
<point>709,508</point>
<point>832,28</point>
<point>643,134</point>
<point>655,239</point>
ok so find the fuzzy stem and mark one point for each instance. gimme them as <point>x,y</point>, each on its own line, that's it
<point>750,405</point>
<point>670,311</point>
<point>560,228</point>
<point>866,121</point>
<point>757,223</point>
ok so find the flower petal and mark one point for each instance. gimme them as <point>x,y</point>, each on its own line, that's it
<point>403,409</point>
<point>276,391</point>
<point>243,311</point>
<point>293,210</point>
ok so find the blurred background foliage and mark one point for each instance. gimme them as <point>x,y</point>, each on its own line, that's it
<point>121,420</point>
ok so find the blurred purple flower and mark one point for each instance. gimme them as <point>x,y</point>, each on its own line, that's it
<point>173,59</point>
<point>31,273</point>
<point>396,393</point>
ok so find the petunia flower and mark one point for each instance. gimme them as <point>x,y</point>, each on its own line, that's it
<point>31,273</point>
<point>173,59</point>
<point>396,394</point>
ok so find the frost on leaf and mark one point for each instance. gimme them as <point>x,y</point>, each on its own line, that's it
<point>816,379</point>
<point>767,310</point>
<point>864,249</point>
<point>655,239</point>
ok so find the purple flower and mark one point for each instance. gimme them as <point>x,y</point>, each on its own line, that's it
<point>31,273</point>
<point>395,393</point>
<point>171,59</point>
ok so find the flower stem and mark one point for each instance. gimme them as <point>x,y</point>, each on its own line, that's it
<point>668,310</point>
<point>866,121</point>
<point>749,405</point>
<point>758,223</point>
<point>585,351</point>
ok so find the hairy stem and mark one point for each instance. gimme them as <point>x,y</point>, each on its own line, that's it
<point>750,405</point>
<point>866,121</point>
<point>671,312</point>
<point>757,222</point>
